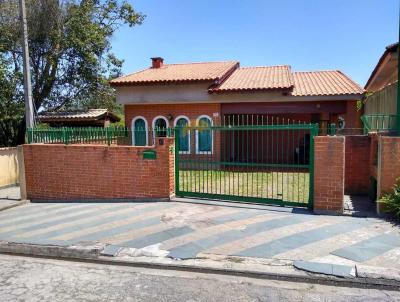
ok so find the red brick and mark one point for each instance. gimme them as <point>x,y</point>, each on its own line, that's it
<point>98,172</point>
<point>329,174</point>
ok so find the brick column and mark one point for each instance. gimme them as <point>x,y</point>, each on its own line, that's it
<point>329,162</point>
<point>388,163</point>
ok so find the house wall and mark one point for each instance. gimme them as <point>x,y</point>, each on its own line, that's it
<point>9,174</point>
<point>164,94</point>
<point>191,111</point>
<point>198,93</point>
<point>70,172</point>
<point>383,101</point>
<point>357,165</point>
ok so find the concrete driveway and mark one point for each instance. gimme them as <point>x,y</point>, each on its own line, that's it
<point>197,229</point>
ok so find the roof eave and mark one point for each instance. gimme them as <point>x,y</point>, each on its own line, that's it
<point>167,82</point>
<point>389,49</point>
<point>245,90</point>
<point>322,97</point>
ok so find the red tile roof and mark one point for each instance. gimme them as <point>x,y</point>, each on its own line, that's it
<point>227,76</point>
<point>257,78</point>
<point>320,83</point>
<point>87,115</point>
<point>169,73</point>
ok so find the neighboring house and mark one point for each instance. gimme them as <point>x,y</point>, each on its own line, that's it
<point>81,118</point>
<point>381,86</point>
<point>213,93</point>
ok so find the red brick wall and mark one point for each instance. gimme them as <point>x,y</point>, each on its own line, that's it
<point>329,174</point>
<point>357,165</point>
<point>388,163</point>
<point>97,172</point>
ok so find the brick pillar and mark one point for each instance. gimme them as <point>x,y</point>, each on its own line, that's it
<point>166,148</point>
<point>388,163</point>
<point>329,163</point>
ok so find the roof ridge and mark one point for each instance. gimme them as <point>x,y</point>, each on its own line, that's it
<point>207,62</point>
<point>348,78</point>
<point>316,71</point>
<point>129,74</point>
<point>269,66</point>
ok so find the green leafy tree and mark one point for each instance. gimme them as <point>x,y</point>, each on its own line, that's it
<point>70,53</point>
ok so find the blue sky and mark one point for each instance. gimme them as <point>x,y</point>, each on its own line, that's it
<point>349,35</point>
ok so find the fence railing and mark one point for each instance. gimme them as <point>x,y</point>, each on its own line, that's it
<point>94,135</point>
<point>379,122</point>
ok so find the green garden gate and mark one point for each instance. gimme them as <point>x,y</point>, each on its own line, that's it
<point>270,164</point>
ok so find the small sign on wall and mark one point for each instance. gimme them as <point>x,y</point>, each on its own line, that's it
<point>216,114</point>
<point>149,154</point>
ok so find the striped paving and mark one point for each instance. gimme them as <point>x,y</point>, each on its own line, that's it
<point>369,248</point>
<point>269,235</point>
<point>314,251</point>
<point>188,230</point>
<point>191,250</point>
<point>275,247</point>
<point>67,216</point>
<point>199,221</point>
<point>113,214</point>
<point>215,230</point>
<point>148,215</point>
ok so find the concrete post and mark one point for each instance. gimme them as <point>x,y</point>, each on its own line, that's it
<point>21,167</point>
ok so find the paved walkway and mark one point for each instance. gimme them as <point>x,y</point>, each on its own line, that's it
<point>189,230</point>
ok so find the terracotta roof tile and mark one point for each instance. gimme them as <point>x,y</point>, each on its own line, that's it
<point>90,114</point>
<point>207,71</point>
<point>316,83</point>
<point>257,78</point>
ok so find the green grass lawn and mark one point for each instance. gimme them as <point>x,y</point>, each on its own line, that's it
<point>286,186</point>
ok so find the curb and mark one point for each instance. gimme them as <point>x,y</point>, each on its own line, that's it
<point>274,269</point>
<point>13,205</point>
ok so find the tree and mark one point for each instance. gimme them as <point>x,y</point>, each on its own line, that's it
<point>70,51</point>
<point>11,109</point>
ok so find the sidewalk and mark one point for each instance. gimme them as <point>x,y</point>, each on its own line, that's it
<point>181,232</point>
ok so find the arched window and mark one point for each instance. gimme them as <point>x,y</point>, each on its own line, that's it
<point>139,131</point>
<point>204,136</point>
<point>181,122</point>
<point>160,126</point>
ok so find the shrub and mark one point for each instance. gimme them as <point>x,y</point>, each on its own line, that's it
<point>392,199</point>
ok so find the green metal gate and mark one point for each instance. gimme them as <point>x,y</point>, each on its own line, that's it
<point>270,164</point>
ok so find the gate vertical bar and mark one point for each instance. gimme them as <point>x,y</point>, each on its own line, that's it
<point>176,133</point>
<point>313,133</point>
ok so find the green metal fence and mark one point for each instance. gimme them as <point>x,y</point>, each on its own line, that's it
<point>379,122</point>
<point>252,163</point>
<point>96,135</point>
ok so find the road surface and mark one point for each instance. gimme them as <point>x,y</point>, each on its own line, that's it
<point>34,279</point>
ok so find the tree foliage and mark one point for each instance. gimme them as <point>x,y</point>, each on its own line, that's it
<point>70,53</point>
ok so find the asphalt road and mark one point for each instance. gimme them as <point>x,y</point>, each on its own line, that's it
<point>33,279</point>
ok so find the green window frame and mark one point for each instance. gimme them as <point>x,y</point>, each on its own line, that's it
<point>204,136</point>
<point>160,126</point>
<point>139,132</point>
<point>184,134</point>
